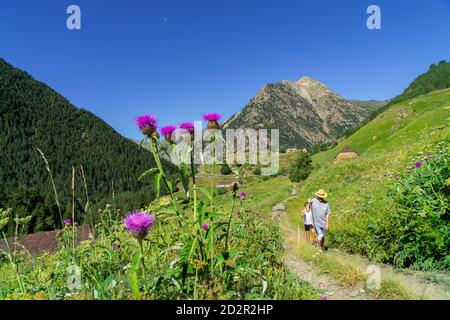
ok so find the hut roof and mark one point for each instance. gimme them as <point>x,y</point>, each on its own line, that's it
<point>347,149</point>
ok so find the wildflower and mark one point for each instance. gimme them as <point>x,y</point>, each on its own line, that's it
<point>243,195</point>
<point>238,213</point>
<point>138,223</point>
<point>116,246</point>
<point>205,227</point>
<point>213,120</point>
<point>419,164</point>
<point>429,155</point>
<point>147,124</point>
<point>189,127</point>
<point>324,297</point>
<point>167,132</point>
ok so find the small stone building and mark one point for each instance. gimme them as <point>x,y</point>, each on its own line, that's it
<point>346,154</point>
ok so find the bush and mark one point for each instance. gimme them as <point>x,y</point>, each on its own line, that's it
<point>409,225</point>
<point>301,167</point>
<point>282,171</point>
<point>225,170</point>
<point>420,223</point>
<point>222,191</point>
<point>257,171</point>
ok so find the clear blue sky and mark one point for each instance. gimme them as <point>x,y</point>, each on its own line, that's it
<point>179,59</point>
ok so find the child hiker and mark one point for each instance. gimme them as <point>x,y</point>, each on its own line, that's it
<point>308,221</point>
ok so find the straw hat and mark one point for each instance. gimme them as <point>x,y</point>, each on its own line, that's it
<point>321,194</point>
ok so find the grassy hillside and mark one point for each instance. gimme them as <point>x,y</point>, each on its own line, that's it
<point>371,196</point>
<point>33,116</point>
<point>436,78</point>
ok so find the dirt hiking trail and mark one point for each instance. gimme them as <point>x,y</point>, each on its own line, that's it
<point>420,285</point>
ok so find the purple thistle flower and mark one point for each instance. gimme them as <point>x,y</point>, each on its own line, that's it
<point>238,213</point>
<point>167,130</point>
<point>324,297</point>
<point>243,194</point>
<point>429,154</point>
<point>67,222</point>
<point>116,246</point>
<point>138,223</point>
<point>146,121</point>
<point>419,164</point>
<point>205,227</point>
<point>188,126</point>
<point>211,116</point>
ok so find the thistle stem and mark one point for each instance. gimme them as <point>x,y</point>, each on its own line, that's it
<point>213,173</point>
<point>144,269</point>
<point>229,221</point>
<point>141,247</point>
<point>155,152</point>
<point>193,184</point>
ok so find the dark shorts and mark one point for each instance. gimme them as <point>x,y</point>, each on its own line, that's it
<point>308,227</point>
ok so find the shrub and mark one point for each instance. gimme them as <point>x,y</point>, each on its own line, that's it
<point>257,171</point>
<point>225,169</point>
<point>282,171</point>
<point>301,167</point>
<point>420,223</point>
<point>222,191</point>
<point>409,225</point>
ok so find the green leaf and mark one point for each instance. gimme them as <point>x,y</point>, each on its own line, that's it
<point>205,192</point>
<point>184,173</point>
<point>186,254</point>
<point>220,260</point>
<point>157,182</point>
<point>169,184</point>
<point>133,276</point>
<point>4,217</point>
<point>3,223</point>
<point>150,171</point>
<point>141,143</point>
<point>234,252</point>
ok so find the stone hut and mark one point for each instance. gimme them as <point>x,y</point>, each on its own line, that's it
<point>346,154</point>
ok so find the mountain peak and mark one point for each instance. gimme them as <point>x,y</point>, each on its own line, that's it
<point>308,82</point>
<point>308,79</point>
<point>306,111</point>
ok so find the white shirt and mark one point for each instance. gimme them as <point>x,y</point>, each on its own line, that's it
<point>308,217</point>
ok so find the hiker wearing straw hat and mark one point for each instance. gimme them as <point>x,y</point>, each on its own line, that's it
<point>320,212</point>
